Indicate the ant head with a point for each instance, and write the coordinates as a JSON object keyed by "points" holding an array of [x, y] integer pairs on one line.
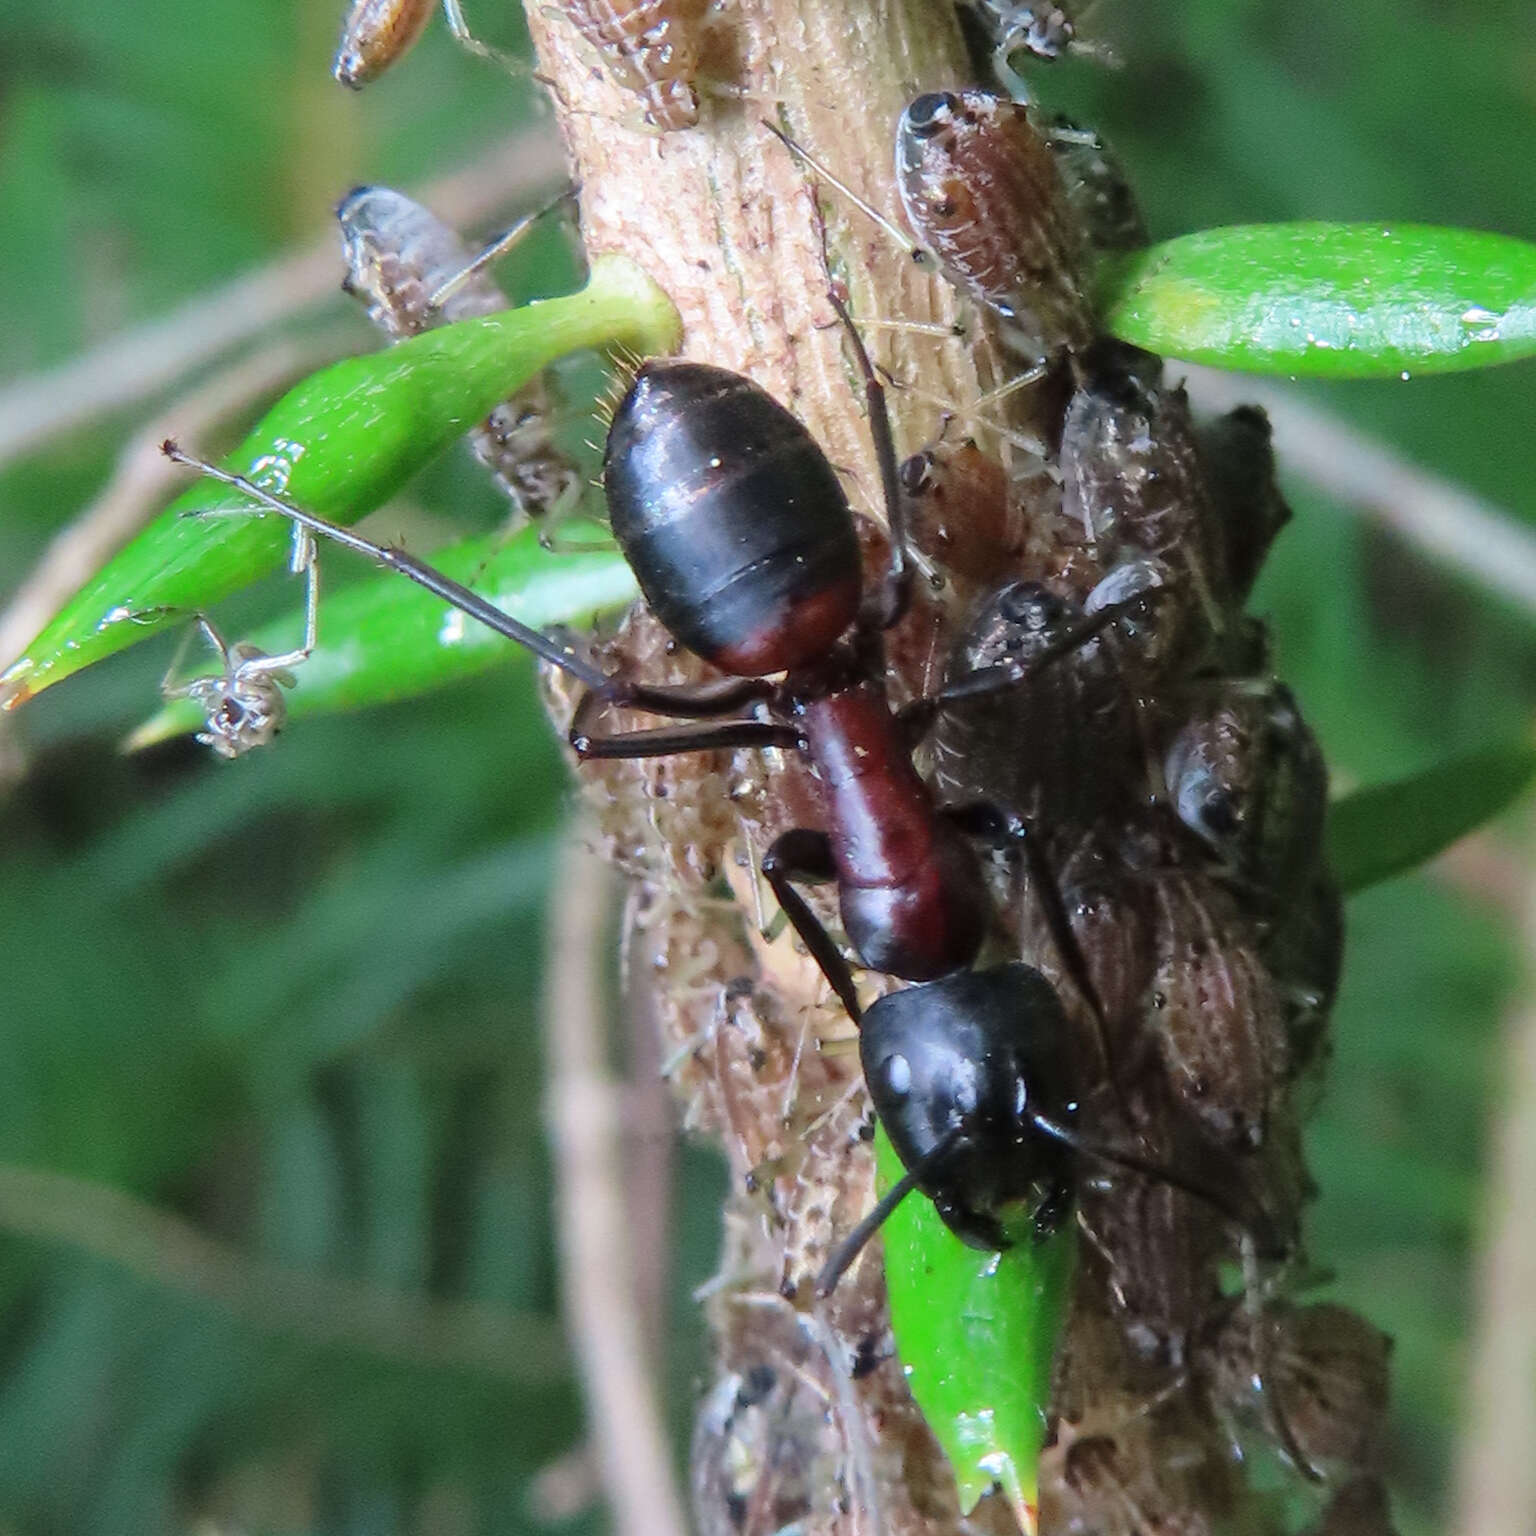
{"points": [[963, 1061]]}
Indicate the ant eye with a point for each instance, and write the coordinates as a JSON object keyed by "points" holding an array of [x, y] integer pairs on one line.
{"points": [[898, 1076], [931, 114]]}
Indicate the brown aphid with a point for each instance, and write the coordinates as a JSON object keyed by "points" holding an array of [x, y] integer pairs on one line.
{"points": [[1359, 1508], [1246, 776], [962, 511], [1238, 457], [1098, 188], [1323, 1369], [399, 257], [1213, 1010], [982, 191], [651, 47], [1132, 480], [376, 34], [1304, 949], [1062, 748]]}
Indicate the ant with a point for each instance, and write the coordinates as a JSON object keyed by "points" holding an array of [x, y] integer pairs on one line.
{"points": [[742, 540], [973, 1077]]}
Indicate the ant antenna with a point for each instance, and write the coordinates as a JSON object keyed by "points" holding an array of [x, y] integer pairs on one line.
{"points": [[853, 1245], [899, 235], [1247, 1214], [898, 578], [499, 247], [460, 596]]}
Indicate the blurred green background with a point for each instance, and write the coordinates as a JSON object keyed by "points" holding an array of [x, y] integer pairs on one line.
{"points": [[293, 1001]]}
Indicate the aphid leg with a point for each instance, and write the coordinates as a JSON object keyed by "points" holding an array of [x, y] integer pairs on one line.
{"points": [[499, 246], [453, 14], [197, 685], [803, 855], [1264, 1358], [304, 559]]}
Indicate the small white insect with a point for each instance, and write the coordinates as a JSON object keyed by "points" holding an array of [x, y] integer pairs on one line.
{"points": [[244, 702]]}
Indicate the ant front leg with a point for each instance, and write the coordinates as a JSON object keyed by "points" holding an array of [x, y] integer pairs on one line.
{"points": [[699, 705], [804, 855]]}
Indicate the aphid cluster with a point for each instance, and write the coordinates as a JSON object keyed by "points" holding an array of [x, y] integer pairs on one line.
{"points": [[1083, 871]]}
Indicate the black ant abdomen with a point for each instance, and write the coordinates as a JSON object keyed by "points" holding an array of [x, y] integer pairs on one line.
{"points": [[732, 519]]}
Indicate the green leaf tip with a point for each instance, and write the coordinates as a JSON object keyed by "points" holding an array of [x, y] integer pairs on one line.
{"points": [[977, 1334], [1342, 301], [383, 639], [1385, 830], [341, 442]]}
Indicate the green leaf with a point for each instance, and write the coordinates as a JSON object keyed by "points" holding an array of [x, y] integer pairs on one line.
{"points": [[1342, 301], [977, 1333], [339, 443], [1385, 830], [384, 638]]}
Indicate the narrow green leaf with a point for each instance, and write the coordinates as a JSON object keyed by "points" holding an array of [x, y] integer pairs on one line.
{"points": [[977, 1333], [340, 443], [384, 638], [1342, 301], [1387, 829]]}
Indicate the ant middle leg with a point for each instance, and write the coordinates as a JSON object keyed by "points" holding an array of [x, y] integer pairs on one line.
{"points": [[806, 856]]}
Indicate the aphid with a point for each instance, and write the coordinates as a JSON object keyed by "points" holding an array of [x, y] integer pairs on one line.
{"points": [[982, 191], [414, 273], [244, 701], [1063, 750], [651, 47], [379, 33], [1097, 188], [964, 515], [1214, 1011], [1247, 777], [1326, 1373], [1131, 476], [1238, 457], [1359, 1508]]}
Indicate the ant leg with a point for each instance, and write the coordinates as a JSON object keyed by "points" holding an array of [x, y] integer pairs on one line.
{"points": [[504, 241], [1232, 1198], [696, 736], [896, 590], [805, 855]]}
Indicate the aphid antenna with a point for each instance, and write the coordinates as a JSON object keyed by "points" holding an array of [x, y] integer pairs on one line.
{"points": [[460, 596], [902, 237], [1264, 1358], [500, 245]]}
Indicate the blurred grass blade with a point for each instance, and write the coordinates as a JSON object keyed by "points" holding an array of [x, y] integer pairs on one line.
{"points": [[383, 638], [976, 1333], [1343, 301], [1385, 830], [340, 443]]}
